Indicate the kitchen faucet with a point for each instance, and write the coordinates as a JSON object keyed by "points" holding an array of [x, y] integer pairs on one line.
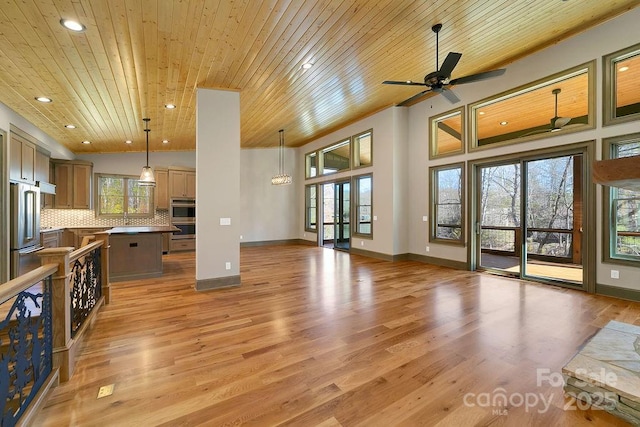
{"points": [[126, 220]]}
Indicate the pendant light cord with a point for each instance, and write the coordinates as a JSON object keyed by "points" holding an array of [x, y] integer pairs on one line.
{"points": [[281, 162], [147, 130]]}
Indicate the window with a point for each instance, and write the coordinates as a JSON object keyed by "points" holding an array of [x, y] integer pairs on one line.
{"points": [[447, 134], [336, 158], [621, 90], [311, 165], [362, 144], [622, 207], [118, 195], [363, 205], [446, 204], [558, 104], [311, 208]]}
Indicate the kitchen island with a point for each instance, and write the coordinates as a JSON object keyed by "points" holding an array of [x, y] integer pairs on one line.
{"points": [[135, 252]]}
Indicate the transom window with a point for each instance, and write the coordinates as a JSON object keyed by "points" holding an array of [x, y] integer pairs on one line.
{"points": [[119, 194], [336, 158]]}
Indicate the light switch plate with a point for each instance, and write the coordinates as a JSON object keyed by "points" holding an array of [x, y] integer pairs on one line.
{"points": [[225, 221]]}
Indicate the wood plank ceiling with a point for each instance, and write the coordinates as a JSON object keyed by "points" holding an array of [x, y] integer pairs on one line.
{"points": [[136, 56]]}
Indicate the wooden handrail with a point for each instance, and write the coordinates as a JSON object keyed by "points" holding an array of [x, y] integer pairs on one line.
{"points": [[80, 252], [15, 286]]}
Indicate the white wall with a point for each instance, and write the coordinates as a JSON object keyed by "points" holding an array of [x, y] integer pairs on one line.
{"points": [[132, 163], [268, 212]]}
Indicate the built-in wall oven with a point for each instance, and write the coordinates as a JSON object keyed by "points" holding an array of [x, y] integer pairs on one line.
{"points": [[25, 229], [183, 216]]}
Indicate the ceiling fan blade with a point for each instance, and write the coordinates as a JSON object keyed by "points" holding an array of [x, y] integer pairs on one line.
{"points": [[448, 93], [449, 64], [559, 122], [414, 97], [403, 83], [536, 132], [477, 77]]}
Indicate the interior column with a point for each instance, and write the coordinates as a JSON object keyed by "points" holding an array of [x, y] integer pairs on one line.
{"points": [[217, 189]]}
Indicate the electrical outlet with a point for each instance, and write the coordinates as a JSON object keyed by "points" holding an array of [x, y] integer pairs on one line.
{"points": [[615, 274], [105, 390], [362, 243], [427, 248], [304, 234], [425, 218], [227, 265], [241, 237]]}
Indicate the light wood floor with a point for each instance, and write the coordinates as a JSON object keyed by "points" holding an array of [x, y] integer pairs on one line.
{"points": [[318, 337]]}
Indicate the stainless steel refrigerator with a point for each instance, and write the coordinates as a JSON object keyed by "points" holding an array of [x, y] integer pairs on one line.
{"points": [[25, 228]]}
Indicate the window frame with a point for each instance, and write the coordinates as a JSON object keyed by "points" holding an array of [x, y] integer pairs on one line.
{"points": [[355, 195], [355, 150], [321, 160], [307, 164], [609, 62], [433, 133], [307, 208], [433, 203], [609, 226], [588, 67], [126, 179]]}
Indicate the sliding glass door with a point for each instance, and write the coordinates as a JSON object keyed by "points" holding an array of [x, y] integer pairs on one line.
{"points": [[529, 218]]}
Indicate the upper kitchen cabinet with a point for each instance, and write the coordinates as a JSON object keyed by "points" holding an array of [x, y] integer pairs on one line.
{"points": [[182, 183], [22, 160], [161, 195], [42, 166], [73, 184]]}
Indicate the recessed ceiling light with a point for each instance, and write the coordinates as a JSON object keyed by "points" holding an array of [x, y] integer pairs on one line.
{"points": [[307, 65], [70, 126], [481, 113], [86, 142], [128, 141], [409, 82], [165, 141], [43, 99], [72, 25], [621, 69], [169, 106], [504, 123]]}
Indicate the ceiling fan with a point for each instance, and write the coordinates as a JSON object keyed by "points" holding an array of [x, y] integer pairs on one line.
{"points": [[438, 81], [556, 123]]}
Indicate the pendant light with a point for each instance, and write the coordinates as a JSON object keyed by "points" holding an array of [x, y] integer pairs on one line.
{"points": [[281, 178], [146, 177]]}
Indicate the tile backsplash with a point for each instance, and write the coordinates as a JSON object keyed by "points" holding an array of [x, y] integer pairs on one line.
{"points": [[87, 218]]}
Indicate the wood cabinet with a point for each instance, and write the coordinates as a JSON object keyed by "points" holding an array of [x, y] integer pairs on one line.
{"points": [[182, 183], [73, 184], [51, 238], [161, 192], [73, 236], [22, 160], [183, 245], [42, 166]]}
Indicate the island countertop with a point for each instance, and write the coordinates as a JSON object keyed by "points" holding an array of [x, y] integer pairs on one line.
{"points": [[143, 229]]}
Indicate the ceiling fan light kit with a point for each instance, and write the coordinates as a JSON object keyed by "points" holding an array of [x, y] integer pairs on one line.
{"points": [[439, 81]]}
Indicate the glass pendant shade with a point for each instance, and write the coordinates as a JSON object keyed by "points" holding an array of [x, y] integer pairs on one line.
{"points": [[146, 177], [281, 178]]}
